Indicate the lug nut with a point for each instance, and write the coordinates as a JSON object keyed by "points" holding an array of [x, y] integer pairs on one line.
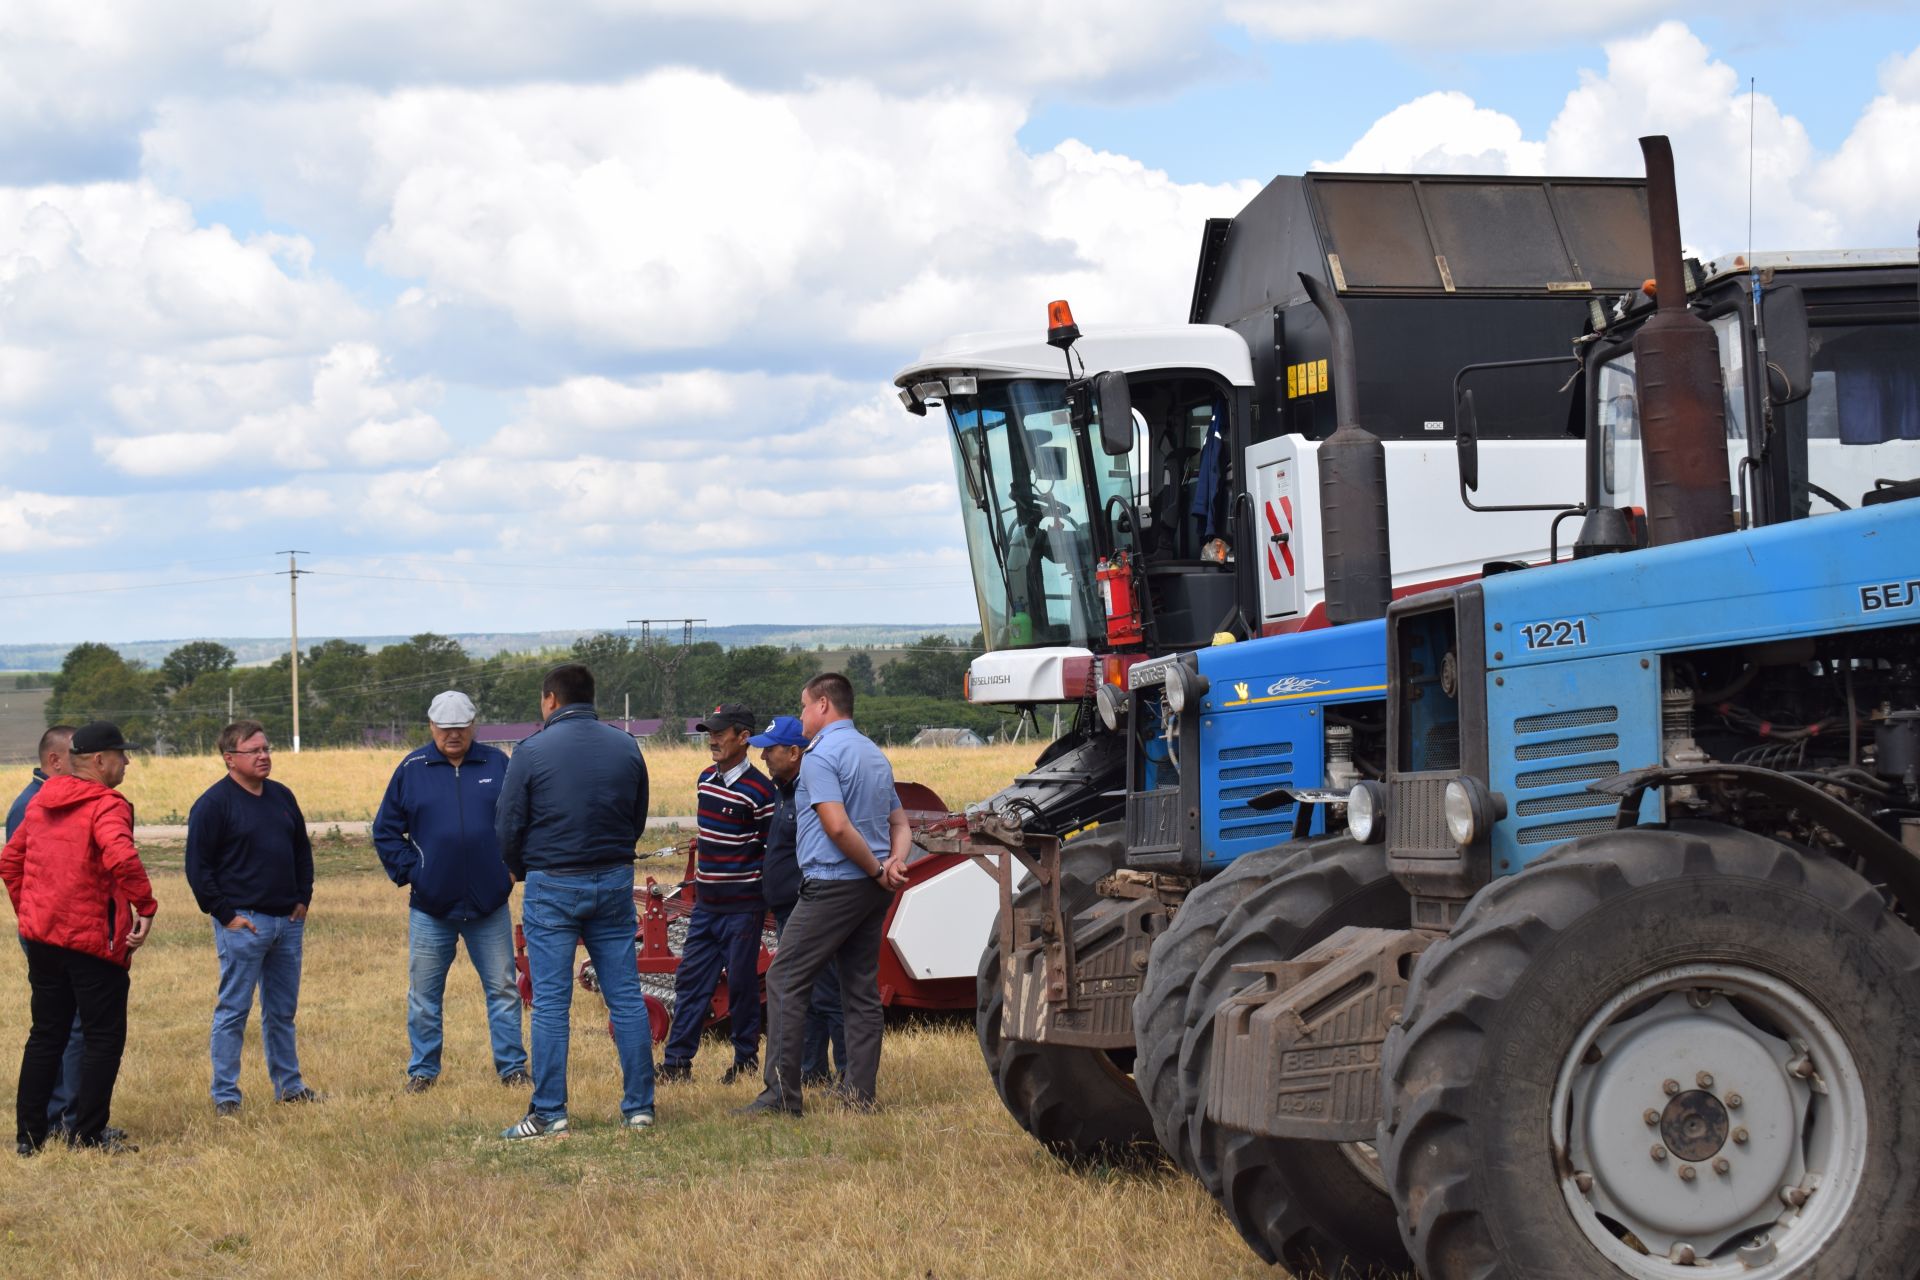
{"points": [[1734, 1100], [1800, 1068], [1704, 1080], [1720, 1164], [1681, 1255], [1651, 1116], [1686, 1173], [1672, 1087], [1659, 1153], [1795, 1196], [1584, 1181], [1740, 1136]]}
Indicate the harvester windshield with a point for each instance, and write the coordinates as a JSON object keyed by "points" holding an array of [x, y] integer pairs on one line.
{"points": [[1033, 494]]}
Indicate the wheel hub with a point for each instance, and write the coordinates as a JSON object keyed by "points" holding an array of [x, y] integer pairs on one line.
{"points": [[1695, 1106], [1695, 1126]]}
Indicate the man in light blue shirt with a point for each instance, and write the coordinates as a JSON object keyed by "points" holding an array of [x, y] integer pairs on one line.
{"points": [[853, 847]]}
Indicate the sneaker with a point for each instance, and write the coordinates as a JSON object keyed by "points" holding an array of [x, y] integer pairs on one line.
{"points": [[742, 1068], [304, 1094], [25, 1149], [415, 1084], [532, 1126], [638, 1120], [517, 1080], [226, 1110], [674, 1073]]}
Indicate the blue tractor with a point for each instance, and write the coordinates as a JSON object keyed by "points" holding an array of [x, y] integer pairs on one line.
{"points": [[1615, 971]]}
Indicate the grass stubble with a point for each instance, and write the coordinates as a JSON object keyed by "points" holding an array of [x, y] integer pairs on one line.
{"points": [[939, 1183]]}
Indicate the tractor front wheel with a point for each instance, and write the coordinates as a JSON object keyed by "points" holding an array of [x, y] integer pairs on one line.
{"points": [[1660, 1051], [1081, 1104]]}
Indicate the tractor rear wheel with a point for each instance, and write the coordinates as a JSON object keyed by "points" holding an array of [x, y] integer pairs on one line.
{"points": [[1318, 1207], [1081, 1104], [1656, 1051], [1160, 1010]]}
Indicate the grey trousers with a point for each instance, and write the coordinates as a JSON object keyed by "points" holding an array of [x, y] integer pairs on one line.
{"points": [[836, 922]]}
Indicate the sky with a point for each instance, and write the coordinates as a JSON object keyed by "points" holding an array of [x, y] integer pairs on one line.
{"points": [[527, 317]]}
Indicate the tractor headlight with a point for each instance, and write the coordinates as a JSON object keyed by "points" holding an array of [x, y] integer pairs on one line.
{"points": [[1112, 705], [1184, 686], [1366, 812], [1470, 811]]}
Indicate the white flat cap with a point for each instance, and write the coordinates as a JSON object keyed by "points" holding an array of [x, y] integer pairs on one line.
{"points": [[451, 710]]}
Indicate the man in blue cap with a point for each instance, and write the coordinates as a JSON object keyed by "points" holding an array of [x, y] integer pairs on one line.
{"points": [[782, 744], [434, 833]]}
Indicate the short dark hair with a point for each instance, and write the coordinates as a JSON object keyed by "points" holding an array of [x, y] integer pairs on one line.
{"points": [[238, 732], [834, 687], [570, 682], [57, 738]]}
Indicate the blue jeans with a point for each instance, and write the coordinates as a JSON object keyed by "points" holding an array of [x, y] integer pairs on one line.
{"points": [[267, 961], [430, 946], [557, 913], [714, 940], [824, 1022], [66, 1086]]}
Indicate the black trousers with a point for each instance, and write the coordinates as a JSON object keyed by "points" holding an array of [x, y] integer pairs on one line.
{"points": [[836, 922], [65, 983]]}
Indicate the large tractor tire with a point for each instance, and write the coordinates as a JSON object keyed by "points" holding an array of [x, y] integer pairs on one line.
{"points": [[1321, 1208], [1160, 1010], [1081, 1104], [1657, 1051]]}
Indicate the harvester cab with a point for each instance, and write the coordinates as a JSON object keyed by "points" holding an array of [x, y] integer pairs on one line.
{"points": [[1635, 991]]}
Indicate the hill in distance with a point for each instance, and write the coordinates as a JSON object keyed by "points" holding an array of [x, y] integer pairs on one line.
{"points": [[255, 650]]}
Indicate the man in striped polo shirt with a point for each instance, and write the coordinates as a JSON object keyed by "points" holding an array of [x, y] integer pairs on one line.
{"points": [[735, 807]]}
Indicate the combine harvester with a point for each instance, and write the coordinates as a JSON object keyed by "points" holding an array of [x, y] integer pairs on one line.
{"points": [[1193, 490], [1615, 971]]}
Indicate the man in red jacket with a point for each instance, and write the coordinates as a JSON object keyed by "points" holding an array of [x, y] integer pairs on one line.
{"points": [[84, 907]]}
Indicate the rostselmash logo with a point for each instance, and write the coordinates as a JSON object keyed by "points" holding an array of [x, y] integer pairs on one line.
{"points": [[977, 681], [1294, 684]]}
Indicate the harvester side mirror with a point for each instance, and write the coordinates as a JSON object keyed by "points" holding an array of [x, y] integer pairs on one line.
{"points": [[1467, 441], [1783, 312], [1116, 413]]}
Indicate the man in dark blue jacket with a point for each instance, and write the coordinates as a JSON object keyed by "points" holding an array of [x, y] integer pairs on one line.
{"points": [[434, 833], [572, 808]]}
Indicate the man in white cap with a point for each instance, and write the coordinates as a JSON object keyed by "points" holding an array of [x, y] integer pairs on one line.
{"points": [[435, 834]]}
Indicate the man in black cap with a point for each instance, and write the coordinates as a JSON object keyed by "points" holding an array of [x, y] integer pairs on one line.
{"points": [[735, 805], [84, 906]]}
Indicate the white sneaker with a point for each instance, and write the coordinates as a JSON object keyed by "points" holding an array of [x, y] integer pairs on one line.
{"points": [[532, 1126], [638, 1120]]}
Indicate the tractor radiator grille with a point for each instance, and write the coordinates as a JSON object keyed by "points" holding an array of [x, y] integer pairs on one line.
{"points": [[1553, 804], [1154, 820], [1417, 819]]}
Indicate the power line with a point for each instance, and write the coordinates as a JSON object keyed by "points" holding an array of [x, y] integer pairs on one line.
{"points": [[624, 588], [136, 586]]}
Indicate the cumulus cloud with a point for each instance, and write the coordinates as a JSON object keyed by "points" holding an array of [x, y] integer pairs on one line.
{"points": [[31, 523], [353, 414], [1873, 180], [1667, 81]]}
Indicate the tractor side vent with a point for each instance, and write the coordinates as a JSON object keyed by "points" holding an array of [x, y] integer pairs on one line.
{"points": [[1553, 804]]}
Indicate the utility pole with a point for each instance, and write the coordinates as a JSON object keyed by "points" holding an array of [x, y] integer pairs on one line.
{"points": [[666, 664], [293, 600]]}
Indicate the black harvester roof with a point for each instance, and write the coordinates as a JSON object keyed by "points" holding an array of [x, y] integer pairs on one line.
{"points": [[1437, 272]]}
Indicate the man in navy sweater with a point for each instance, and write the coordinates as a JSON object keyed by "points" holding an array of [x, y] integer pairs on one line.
{"points": [[250, 866], [572, 808], [434, 833], [735, 806]]}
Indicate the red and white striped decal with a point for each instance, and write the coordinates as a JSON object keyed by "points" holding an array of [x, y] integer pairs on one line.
{"points": [[1280, 522]]}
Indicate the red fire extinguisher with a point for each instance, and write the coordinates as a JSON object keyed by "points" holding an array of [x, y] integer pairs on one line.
{"points": [[1122, 597]]}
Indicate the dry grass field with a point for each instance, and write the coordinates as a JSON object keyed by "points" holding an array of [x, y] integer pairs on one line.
{"points": [[375, 1183], [346, 785]]}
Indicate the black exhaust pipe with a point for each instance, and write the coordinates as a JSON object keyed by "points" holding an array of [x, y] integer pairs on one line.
{"points": [[1353, 485], [1683, 416]]}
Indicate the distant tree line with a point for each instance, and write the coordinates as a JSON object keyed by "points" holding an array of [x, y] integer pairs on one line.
{"points": [[350, 696]]}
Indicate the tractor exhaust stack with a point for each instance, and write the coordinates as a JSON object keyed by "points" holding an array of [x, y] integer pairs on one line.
{"points": [[1683, 424], [1353, 485]]}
